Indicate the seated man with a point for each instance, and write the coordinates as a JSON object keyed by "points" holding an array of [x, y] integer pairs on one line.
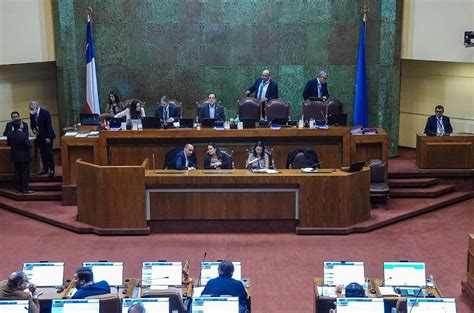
{"points": [[137, 308], [185, 159], [167, 112], [84, 279], [211, 109], [225, 285], [14, 288], [438, 125], [9, 127]]}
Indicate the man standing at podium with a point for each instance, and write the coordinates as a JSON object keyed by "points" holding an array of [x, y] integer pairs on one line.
{"points": [[438, 124], [317, 89]]}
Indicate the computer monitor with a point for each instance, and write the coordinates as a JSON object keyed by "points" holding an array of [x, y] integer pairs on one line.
{"points": [[186, 123], [215, 305], [248, 122], [75, 306], [152, 305], [151, 122], [279, 121], [208, 122], [162, 273], [45, 274], [360, 305], [111, 272], [343, 273], [209, 271], [404, 274], [14, 306], [337, 119], [89, 118], [431, 305]]}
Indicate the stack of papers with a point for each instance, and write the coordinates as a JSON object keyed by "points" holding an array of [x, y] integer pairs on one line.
{"points": [[308, 170], [387, 291], [265, 171], [70, 134]]}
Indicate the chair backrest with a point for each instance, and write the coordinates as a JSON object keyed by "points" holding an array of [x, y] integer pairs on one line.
{"points": [[226, 153], [314, 109], [108, 303], [249, 108], [378, 171], [176, 302], [334, 107], [170, 158], [178, 105], [301, 158], [277, 108]]}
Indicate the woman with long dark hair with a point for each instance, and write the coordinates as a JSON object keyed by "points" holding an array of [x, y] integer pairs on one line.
{"points": [[258, 158]]}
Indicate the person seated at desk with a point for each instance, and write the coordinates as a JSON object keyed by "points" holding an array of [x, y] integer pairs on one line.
{"points": [[438, 124], [215, 159], [14, 288], [186, 159], [258, 158], [167, 112], [211, 109], [137, 308], [225, 285], [9, 127], [135, 111], [115, 106], [85, 285]]}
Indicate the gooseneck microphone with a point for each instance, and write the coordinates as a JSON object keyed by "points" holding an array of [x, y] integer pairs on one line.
{"points": [[418, 295], [324, 116], [200, 272], [385, 280]]}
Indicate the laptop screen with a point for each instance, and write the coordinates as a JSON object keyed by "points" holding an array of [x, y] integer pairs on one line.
{"points": [[162, 273], [360, 305], [47, 274], [209, 271], [152, 305], [215, 305], [343, 273], [431, 305], [14, 306], [111, 272], [75, 306], [404, 274]]}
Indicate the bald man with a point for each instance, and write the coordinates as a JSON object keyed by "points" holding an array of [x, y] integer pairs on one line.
{"points": [[14, 288], [264, 88], [137, 308]]}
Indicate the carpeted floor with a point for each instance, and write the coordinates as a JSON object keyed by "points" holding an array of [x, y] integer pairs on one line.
{"points": [[281, 266]]}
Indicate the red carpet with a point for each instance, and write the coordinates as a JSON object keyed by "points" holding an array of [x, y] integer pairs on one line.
{"points": [[281, 266]]}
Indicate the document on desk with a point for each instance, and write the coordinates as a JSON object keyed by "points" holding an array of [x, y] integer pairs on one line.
{"points": [[327, 291], [264, 171], [387, 291], [70, 134], [82, 135]]}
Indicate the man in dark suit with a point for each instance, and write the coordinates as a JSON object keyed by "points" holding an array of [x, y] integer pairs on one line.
{"points": [[167, 112], [20, 154], [40, 121], [186, 159], [211, 109], [264, 88], [9, 127], [317, 88], [85, 285], [438, 124]]}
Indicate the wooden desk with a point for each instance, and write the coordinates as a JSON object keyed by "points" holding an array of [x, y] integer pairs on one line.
{"points": [[6, 165], [368, 147], [328, 199], [445, 152]]}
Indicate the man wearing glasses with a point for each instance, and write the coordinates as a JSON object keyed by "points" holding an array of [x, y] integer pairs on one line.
{"points": [[438, 124], [17, 287]]}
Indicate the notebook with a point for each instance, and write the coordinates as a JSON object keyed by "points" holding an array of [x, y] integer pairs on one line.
{"points": [[111, 272], [45, 274]]}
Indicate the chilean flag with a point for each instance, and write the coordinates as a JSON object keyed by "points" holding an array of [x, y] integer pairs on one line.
{"points": [[92, 95]]}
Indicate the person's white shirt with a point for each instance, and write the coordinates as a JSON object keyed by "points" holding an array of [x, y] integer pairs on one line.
{"points": [[126, 113]]}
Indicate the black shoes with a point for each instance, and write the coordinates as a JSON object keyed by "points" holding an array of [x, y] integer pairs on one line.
{"points": [[51, 174]]}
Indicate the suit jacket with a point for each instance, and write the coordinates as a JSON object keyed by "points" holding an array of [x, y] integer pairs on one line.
{"points": [[219, 114], [222, 285], [20, 146], [173, 112], [272, 90], [180, 161], [311, 90], [9, 128], [432, 125], [43, 126], [7, 293], [224, 159], [99, 288]]}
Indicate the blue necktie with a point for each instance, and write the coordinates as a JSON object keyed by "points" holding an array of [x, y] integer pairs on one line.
{"points": [[260, 90]]}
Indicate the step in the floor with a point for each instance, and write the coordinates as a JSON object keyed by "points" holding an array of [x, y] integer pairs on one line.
{"points": [[428, 192], [46, 186], [33, 178], [37, 195], [412, 182]]}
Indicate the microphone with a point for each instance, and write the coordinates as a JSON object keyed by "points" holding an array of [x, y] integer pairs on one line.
{"points": [[324, 116], [154, 165], [316, 164], [385, 280], [152, 279], [420, 293], [200, 272]]}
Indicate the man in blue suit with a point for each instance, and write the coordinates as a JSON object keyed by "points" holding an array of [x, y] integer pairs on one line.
{"points": [[264, 88], [186, 159], [167, 112], [85, 285], [211, 109], [40, 121], [317, 88], [438, 124]]}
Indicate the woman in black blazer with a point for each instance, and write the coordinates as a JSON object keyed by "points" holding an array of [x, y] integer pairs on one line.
{"points": [[215, 159]]}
